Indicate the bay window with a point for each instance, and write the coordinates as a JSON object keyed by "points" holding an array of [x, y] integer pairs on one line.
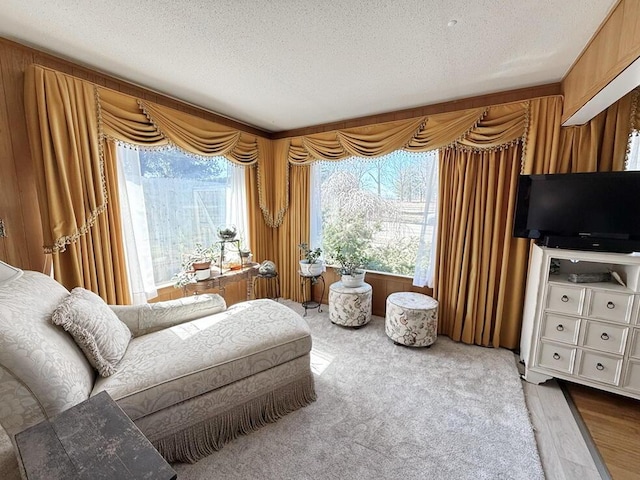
{"points": [[386, 206], [172, 200]]}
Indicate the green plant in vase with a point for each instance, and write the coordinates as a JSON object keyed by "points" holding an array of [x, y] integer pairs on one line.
{"points": [[351, 263], [310, 265], [196, 265]]}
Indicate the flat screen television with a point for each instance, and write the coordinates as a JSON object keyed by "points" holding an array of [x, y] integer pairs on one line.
{"points": [[580, 211]]}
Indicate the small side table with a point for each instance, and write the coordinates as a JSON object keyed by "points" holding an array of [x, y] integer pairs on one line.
{"points": [[220, 281], [411, 319], [94, 439], [310, 280], [271, 283], [350, 306]]}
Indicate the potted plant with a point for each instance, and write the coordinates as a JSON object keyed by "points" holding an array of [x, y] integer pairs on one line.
{"points": [[311, 265], [351, 264], [196, 265]]}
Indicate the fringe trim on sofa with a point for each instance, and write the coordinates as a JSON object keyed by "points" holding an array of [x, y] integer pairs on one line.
{"points": [[208, 436]]}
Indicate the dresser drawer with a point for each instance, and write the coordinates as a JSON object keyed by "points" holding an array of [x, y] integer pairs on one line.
{"points": [[565, 299], [600, 367], [632, 378], [556, 357], [560, 329], [614, 306], [605, 336], [634, 351]]}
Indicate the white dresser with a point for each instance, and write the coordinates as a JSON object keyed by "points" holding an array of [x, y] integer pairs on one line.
{"points": [[587, 333]]}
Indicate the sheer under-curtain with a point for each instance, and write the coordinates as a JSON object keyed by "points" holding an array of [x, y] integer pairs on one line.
{"points": [[236, 207], [403, 172], [315, 207], [426, 255], [633, 156], [135, 229]]}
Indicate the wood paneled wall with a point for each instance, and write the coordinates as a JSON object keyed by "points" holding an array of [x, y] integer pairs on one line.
{"points": [[383, 285], [22, 246], [614, 47]]}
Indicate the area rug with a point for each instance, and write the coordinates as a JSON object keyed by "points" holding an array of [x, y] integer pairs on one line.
{"points": [[451, 411]]}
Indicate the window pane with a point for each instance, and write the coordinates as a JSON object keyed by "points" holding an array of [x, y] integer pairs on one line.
{"points": [[385, 205], [186, 202]]}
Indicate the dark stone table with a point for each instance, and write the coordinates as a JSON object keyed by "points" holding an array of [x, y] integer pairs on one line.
{"points": [[93, 440]]}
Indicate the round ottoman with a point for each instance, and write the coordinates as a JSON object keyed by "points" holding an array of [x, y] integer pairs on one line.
{"points": [[350, 306], [411, 319]]}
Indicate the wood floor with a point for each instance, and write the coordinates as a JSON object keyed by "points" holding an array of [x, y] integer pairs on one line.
{"points": [[613, 422], [564, 453]]}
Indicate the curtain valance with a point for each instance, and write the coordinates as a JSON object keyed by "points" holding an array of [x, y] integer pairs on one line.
{"points": [[478, 129], [69, 119], [145, 123]]}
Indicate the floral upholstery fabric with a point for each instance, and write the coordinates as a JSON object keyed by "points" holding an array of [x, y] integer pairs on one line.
{"points": [[151, 317], [411, 319], [43, 371], [215, 402], [96, 329], [350, 306], [170, 366], [190, 387]]}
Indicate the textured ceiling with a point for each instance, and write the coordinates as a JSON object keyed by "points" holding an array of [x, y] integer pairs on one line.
{"points": [[285, 64]]}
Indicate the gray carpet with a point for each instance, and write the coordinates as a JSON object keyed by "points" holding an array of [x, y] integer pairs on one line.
{"points": [[451, 411]]}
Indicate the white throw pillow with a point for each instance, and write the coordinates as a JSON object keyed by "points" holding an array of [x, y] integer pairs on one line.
{"points": [[95, 328]]}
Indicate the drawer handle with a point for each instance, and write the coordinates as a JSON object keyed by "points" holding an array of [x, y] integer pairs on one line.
{"points": [[611, 305], [599, 366], [564, 298], [604, 336], [560, 328], [556, 356]]}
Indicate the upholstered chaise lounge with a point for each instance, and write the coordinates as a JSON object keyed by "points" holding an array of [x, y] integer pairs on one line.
{"points": [[195, 374]]}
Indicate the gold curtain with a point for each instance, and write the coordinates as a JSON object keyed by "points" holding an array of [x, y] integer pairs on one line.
{"points": [[273, 171], [635, 110], [600, 145], [481, 270], [68, 121], [474, 279], [543, 137], [74, 184], [281, 244], [293, 231]]}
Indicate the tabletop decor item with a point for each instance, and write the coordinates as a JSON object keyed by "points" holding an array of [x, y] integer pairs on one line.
{"points": [[227, 232], [267, 268]]}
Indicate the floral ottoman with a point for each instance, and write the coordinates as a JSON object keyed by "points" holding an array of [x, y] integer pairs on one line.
{"points": [[411, 319], [350, 306]]}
